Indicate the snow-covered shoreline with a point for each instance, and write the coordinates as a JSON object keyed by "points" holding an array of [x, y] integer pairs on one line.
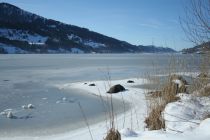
{"points": [[99, 129], [134, 128], [131, 123], [129, 119]]}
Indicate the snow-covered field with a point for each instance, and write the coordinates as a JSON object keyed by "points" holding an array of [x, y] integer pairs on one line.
{"points": [[184, 118]]}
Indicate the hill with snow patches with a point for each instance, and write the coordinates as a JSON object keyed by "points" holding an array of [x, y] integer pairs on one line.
{"points": [[198, 49], [25, 32]]}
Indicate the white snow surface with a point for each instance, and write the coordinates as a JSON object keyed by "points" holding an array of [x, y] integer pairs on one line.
{"points": [[90, 43], [187, 113], [75, 38], [23, 35], [131, 124], [94, 44], [179, 82], [190, 74]]}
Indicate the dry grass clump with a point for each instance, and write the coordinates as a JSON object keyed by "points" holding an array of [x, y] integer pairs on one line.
{"points": [[203, 79], [155, 94], [155, 121], [206, 115], [159, 99], [113, 134], [203, 75], [179, 88], [170, 89], [201, 85], [169, 93], [205, 91]]}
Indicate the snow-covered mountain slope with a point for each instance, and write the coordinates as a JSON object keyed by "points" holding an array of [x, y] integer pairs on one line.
{"points": [[199, 49], [36, 34], [22, 35], [94, 44], [10, 49]]}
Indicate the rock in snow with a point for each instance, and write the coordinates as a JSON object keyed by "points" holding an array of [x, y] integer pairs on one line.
{"points": [[92, 84], [130, 81], [116, 89]]}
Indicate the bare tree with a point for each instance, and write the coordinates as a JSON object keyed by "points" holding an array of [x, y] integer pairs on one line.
{"points": [[196, 22]]}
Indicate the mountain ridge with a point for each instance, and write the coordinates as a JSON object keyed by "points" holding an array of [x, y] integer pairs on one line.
{"points": [[199, 49], [31, 33]]}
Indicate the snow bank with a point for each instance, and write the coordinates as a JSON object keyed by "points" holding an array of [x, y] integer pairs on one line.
{"points": [[189, 74], [179, 82], [187, 113]]}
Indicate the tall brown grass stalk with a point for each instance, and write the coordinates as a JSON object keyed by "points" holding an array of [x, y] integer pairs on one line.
{"points": [[162, 95], [85, 119]]}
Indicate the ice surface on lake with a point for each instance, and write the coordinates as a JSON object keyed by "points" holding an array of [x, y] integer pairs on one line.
{"points": [[31, 79]]}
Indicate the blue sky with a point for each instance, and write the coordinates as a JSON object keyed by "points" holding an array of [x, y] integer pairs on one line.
{"points": [[139, 22]]}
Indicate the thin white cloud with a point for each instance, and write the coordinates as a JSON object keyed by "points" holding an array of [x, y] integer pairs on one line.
{"points": [[151, 23], [148, 25], [174, 21]]}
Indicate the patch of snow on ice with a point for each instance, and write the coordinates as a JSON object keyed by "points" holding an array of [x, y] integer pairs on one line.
{"points": [[30, 106], [64, 99], [24, 107], [10, 115]]}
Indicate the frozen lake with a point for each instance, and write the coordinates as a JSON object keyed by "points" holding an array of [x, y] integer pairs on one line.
{"points": [[31, 78]]}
